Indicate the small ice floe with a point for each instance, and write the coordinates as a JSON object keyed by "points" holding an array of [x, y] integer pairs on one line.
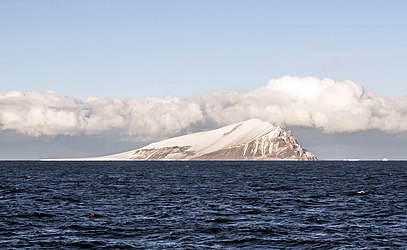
{"points": [[357, 193], [351, 159]]}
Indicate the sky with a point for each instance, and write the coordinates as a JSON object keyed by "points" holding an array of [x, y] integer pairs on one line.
{"points": [[82, 78]]}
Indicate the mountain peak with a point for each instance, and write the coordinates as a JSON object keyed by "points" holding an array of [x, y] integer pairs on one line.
{"points": [[253, 139]]}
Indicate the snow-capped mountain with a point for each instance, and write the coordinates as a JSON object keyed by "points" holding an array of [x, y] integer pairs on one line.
{"points": [[250, 140]]}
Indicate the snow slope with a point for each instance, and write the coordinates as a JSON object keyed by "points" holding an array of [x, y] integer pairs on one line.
{"points": [[249, 140]]}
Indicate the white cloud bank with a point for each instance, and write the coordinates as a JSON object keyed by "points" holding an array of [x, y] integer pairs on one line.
{"points": [[288, 101], [49, 113], [312, 102]]}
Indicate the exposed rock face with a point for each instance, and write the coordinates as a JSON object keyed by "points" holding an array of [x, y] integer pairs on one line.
{"points": [[282, 147], [250, 140], [169, 153]]}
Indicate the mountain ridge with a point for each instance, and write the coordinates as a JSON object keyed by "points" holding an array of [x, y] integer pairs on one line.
{"points": [[249, 140]]}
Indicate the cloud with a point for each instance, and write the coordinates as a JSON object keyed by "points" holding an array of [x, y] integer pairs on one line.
{"points": [[312, 102], [49, 113], [327, 104]]}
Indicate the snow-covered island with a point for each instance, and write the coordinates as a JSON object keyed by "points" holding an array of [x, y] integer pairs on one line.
{"points": [[250, 140]]}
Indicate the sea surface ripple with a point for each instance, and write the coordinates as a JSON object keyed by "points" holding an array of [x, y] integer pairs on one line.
{"points": [[203, 205]]}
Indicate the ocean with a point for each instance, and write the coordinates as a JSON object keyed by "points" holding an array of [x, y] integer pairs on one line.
{"points": [[203, 205]]}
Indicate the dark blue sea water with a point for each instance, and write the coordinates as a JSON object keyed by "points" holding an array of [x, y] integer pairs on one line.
{"points": [[203, 205]]}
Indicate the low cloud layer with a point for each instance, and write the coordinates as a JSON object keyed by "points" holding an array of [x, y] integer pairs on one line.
{"points": [[312, 102], [48, 113], [288, 101]]}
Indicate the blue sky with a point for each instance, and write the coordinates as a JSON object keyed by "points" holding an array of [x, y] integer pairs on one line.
{"points": [[158, 66], [183, 48]]}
